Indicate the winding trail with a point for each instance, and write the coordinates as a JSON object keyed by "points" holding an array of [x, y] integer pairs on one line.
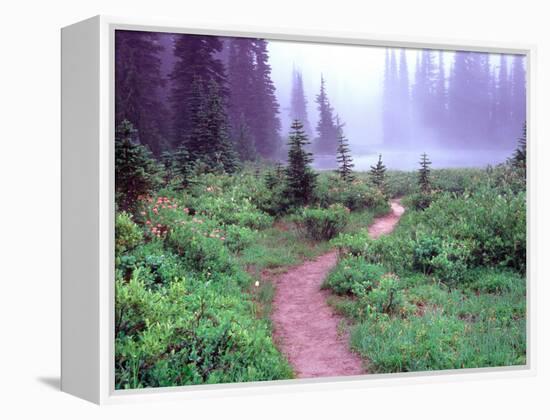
{"points": [[305, 327]]}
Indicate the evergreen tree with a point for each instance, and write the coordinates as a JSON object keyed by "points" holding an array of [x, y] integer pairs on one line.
{"points": [[275, 177], [425, 88], [300, 176], [220, 150], [390, 101], [440, 117], [378, 174], [177, 167], [345, 161], [404, 101], [520, 155], [138, 87], [469, 98], [208, 141], [518, 86], [252, 95], [326, 129], [424, 174], [298, 102], [502, 101], [244, 142], [195, 64], [241, 77], [136, 172], [265, 125]]}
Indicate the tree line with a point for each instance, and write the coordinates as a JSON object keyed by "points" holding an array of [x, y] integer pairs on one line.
{"points": [[477, 102]]}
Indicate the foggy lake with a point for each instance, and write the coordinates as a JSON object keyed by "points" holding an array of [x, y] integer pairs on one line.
{"points": [[408, 160]]}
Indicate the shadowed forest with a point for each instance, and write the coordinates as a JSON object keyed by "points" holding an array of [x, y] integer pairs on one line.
{"points": [[371, 199]]}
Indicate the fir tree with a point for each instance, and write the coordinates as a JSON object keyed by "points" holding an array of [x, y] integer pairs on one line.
{"points": [[299, 175], [219, 148], [244, 142], [520, 155], [265, 125], [241, 77], [390, 118], [298, 102], [138, 87], [274, 177], [424, 174], [196, 63], [136, 172], [378, 174], [208, 141], [343, 156], [326, 129], [404, 101], [518, 92], [178, 166]]}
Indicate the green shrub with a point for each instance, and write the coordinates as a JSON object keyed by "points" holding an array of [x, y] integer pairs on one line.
{"points": [[127, 234], [201, 252], [189, 333], [238, 238], [420, 200], [356, 195], [352, 271], [322, 224], [386, 297], [352, 243]]}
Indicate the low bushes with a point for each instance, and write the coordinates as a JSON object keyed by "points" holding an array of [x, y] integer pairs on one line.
{"points": [[322, 224], [352, 272], [189, 333], [357, 195], [127, 234]]}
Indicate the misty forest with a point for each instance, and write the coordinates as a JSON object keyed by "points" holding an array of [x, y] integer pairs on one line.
{"points": [[296, 210]]}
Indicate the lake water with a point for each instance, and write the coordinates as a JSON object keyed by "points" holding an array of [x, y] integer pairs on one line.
{"points": [[405, 160]]}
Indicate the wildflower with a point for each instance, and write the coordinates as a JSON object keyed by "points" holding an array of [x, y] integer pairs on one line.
{"points": [[148, 222], [257, 284], [143, 213]]}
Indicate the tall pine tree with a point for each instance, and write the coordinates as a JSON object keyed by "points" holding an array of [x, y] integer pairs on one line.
{"points": [[242, 83], [327, 131], [266, 125], [300, 176], [518, 100], [390, 101], [195, 63], [343, 157], [298, 102], [138, 87]]}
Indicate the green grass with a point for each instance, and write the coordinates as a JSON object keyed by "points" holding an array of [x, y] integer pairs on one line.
{"points": [[443, 328]]}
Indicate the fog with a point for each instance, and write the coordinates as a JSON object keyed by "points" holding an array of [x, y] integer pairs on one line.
{"points": [[355, 83]]}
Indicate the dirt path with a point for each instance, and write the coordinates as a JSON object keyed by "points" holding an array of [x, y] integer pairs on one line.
{"points": [[306, 329], [385, 224]]}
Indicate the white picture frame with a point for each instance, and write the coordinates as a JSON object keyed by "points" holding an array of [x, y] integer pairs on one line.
{"points": [[87, 326]]}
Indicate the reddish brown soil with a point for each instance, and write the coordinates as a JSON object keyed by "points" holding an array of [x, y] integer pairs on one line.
{"points": [[306, 328], [385, 224]]}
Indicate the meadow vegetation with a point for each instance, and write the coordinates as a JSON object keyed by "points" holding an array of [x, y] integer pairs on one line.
{"points": [[195, 249]]}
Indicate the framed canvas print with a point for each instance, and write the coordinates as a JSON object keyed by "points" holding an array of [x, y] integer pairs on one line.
{"points": [[248, 207]]}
